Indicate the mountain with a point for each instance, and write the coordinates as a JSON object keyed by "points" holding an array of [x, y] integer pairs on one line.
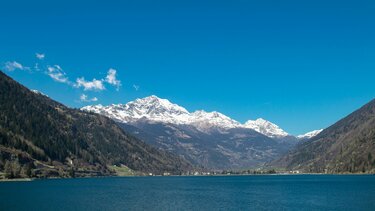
{"points": [[347, 146], [42, 138], [267, 128], [155, 109], [208, 139], [309, 134]]}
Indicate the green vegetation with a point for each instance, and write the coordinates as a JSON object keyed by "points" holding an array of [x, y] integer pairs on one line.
{"points": [[123, 171]]}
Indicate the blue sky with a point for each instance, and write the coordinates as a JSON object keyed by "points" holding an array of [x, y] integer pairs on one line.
{"points": [[301, 64]]}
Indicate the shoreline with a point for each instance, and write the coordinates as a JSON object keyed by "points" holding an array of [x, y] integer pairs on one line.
{"points": [[18, 180], [158, 176]]}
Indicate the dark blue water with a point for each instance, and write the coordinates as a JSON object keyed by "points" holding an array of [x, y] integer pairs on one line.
{"points": [[307, 192]]}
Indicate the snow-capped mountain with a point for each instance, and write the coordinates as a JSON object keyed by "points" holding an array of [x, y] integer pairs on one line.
{"points": [[162, 110], [151, 108], [209, 139], [310, 134], [202, 119], [266, 128], [155, 109]]}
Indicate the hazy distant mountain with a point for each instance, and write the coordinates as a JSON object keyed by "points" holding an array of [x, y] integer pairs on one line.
{"points": [[209, 139], [346, 146], [41, 137]]}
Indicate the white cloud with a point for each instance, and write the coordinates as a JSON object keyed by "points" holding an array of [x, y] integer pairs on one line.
{"points": [[111, 78], [57, 74], [84, 98], [96, 85], [11, 66], [36, 67], [136, 87], [40, 56]]}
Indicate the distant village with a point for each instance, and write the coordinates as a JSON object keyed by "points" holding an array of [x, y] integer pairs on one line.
{"points": [[226, 172]]}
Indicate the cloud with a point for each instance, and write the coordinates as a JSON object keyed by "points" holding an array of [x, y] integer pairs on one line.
{"points": [[84, 98], [11, 66], [40, 56], [111, 78], [136, 87], [57, 74], [96, 85], [36, 67]]}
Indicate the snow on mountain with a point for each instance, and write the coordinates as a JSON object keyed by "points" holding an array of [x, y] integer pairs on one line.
{"points": [[310, 134], [266, 128], [38, 92], [205, 120], [162, 110], [156, 109], [151, 108]]}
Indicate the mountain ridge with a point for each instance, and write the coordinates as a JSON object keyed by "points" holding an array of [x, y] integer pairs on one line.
{"points": [[156, 109]]}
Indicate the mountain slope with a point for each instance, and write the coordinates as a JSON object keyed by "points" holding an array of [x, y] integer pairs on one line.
{"points": [[346, 146], [53, 140], [234, 148]]}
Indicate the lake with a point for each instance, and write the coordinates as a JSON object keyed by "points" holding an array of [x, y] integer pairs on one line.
{"points": [[279, 192]]}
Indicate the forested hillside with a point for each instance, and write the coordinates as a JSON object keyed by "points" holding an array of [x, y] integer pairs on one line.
{"points": [[346, 147], [40, 137]]}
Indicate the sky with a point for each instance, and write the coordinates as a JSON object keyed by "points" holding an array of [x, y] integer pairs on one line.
{"points": [[300, 64]]}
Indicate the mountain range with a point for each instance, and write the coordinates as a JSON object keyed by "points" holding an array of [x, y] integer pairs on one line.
{"points": [[208, 139], [155, 109]]}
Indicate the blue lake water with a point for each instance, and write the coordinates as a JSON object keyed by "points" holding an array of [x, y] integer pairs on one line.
{"points": [[292, 192]]}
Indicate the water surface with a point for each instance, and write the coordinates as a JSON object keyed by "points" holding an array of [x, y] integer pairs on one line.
{"points": [[289, 192]]}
